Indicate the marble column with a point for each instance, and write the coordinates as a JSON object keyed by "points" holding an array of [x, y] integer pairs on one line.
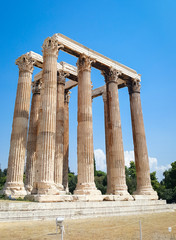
{"points": [[104, 96], [66, 140], [32, 137], [59, 150], [117, 177], [144, 186], [38, 162], [14, 184], [85, 158], [47, 131]]}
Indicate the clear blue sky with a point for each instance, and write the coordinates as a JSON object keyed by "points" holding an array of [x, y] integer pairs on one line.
{"points": [[139, 34]]}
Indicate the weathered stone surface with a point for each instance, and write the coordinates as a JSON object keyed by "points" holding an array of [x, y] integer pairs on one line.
{"points": [[47, 130], [85, 183], [147, 196], [76, 49], [20, 211], [144, 186], [32, 137], [48, 137], [116, 163], [14, 183], [108, 191], [66, 141], [59, 148]]}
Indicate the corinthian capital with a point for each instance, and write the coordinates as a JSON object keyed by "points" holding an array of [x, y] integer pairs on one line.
{"points": [[25, 63], [111, 76], [61, 77], [51, 46], [36, 87], [84, 63], [134, 86]]}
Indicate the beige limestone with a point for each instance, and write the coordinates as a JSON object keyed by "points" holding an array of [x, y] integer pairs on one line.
{"points": [[21, 211], [85, 183], [14, 184], [75, 48], [66, 140], [47, 130], [48, 142], [104, 95], [38, 142], [116, 160], [144, 186], [32, 137], [59, 148]]}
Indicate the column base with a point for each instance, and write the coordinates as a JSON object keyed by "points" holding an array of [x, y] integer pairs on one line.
{"points": [[46, 188], [59, 186], [122, 195], [86, 189], [14, 190], [145, 193], [28, 189], [67, 190]]}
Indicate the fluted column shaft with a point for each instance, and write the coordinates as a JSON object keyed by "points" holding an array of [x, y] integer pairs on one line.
{"points": [[47, 130], [108, 191], [59, 150], [140, 146], [14, 183], [38, 162], [66, 140], [115, 142], [85, 159], [32, 137]]}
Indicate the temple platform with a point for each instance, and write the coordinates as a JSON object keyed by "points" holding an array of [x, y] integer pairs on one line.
{"points": [[21, 211]]}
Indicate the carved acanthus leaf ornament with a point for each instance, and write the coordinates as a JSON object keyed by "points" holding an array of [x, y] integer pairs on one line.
{"points": [[84, 63], [134, 86], [51, 47], [25, 63], [61, 77], [112, 75]]}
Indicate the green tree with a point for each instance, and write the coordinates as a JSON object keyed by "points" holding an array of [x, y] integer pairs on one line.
{"points": [[131, 177], [170, 176], [154, 181], [101, 181], [3, 175], [167, 189], [72, 181], [95, 170]]}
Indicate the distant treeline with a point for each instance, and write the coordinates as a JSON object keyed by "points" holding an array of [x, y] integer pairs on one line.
{"points": [[166, 189]]}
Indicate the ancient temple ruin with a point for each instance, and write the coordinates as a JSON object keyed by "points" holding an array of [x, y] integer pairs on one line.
{"points": [[47, 139]]}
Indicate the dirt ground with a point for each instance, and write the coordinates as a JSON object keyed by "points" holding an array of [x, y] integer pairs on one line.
{"points": [[154, 226]]}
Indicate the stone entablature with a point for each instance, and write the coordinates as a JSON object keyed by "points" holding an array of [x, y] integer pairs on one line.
{"points": [[101, 62], [48, 135]]}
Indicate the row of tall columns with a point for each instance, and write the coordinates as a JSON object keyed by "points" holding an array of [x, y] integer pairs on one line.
{"points": [[48, 136], [44, 128], [114, 143], [113, 138], [33, 168], [144, 186]]}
